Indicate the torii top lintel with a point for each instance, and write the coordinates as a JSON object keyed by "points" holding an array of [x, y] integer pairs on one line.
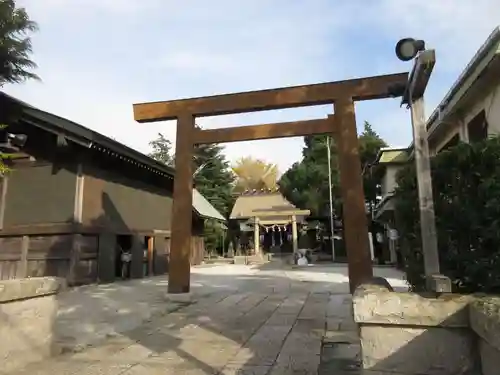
{"points": [[367, 88]]}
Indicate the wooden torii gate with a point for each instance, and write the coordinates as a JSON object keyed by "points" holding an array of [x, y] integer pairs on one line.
{"points": [[342, 124]]}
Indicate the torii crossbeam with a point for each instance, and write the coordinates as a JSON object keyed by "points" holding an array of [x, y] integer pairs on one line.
{"points": [[342, 124]]}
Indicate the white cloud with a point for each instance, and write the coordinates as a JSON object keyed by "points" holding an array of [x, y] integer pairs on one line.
{"points": [[60, 7], [97, 57]]}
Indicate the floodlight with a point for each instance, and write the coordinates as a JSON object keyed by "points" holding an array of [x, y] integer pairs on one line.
{"points": [[408, 48]]}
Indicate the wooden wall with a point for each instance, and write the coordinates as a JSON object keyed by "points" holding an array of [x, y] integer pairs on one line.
{"points": [[54, 255], [47, 233], [39, 193], [49, 255], [124, 205], [162, 253], [197, 250]]}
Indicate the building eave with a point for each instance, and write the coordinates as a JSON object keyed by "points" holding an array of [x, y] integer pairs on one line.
{"points": [[91, 139], [489, 51]]}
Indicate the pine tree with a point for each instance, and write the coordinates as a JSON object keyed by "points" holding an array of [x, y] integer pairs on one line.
{"points": [[212, 178], [15, 44], [162, 150]]}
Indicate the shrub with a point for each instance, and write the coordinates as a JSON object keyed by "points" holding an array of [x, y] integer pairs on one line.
{"points": [[3, 156], [466, 186]]}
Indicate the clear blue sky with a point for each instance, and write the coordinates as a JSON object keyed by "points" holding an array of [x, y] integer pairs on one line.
{"points": [[97, 57]]}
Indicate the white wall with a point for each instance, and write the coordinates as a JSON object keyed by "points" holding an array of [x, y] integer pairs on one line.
{"points": [[389, 180], [489, 101]]}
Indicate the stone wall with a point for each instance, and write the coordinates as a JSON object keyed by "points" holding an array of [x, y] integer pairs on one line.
{"points": [[408, 333], [28, 309]]}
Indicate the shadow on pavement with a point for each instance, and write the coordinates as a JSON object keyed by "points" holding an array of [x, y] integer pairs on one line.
{"points": [[245, 320]]}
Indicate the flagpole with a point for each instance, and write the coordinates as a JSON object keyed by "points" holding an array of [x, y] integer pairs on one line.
{"points": [[332, 239]]}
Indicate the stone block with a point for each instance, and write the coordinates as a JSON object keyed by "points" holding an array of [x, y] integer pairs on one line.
{"points": [[410, 333], [485, 322], [28, 310], [28, 323], [438, 284], [240, 259], [377, 305], [376, 283], [20, 289], [417, 350], [485, 319]]}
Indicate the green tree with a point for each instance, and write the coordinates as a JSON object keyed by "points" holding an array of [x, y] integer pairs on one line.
{"points": [[305, 184], [15, 51], [162, 150], [212, 178], [15, 44], [3, 156], [370, 144], [466, 185]]}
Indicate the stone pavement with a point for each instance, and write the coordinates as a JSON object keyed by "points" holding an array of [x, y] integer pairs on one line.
{"points": [[245, 320]]}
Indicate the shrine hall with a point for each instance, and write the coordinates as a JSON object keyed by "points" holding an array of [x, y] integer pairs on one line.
{"points": [[268, 221]]}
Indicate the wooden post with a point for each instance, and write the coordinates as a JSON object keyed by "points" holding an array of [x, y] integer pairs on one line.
{"points": [[150, 256], [182, 211], [424, 182], [23, 269], [295, 242], [370, 242], [137, 263], [106, 266], [351, 184], [160, 259], [3, 199], [74, 260]]}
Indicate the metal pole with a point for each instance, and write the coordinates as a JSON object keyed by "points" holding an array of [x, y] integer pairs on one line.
{"points": [[332, 240]]}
